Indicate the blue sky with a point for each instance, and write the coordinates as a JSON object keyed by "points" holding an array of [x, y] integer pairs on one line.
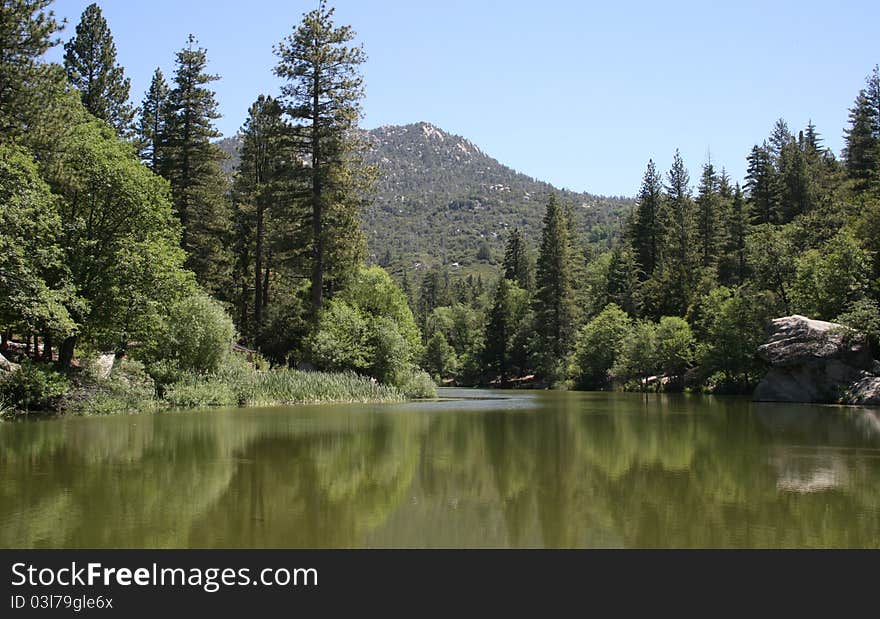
{"points": [[580, 94]]}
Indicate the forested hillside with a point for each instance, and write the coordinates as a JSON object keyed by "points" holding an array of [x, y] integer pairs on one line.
{"points": [[440, 200]]}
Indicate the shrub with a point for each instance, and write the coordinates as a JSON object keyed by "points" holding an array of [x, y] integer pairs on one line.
{"points": [[597, 345], [196, 336], [417, 384], [35, 387]]}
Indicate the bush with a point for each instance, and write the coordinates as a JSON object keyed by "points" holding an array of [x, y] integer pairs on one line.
{"points": [[597, 345], [128, 389], [417, 384], [35, 387], [196, 336]]}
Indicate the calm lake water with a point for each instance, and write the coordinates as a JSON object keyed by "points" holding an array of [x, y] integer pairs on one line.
{"points": [[479, 469]]}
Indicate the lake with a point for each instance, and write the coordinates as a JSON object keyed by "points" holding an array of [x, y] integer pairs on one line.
{"points": [[477, 469]]}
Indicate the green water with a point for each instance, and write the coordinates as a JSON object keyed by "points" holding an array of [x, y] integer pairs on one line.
{"points": [[481, 469]]}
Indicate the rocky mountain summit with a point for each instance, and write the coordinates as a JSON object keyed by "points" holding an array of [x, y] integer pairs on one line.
{"points": [[817, 361]]}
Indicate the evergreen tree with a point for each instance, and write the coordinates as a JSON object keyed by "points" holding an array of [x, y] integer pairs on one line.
{"points": [[151, 123], [191, 163], [762, 186], [645, 231], [27, 31], [553, 302], [710, 230], [499, 331], [90, 61], [680, 259], [735, 246], [862, 151], [796, 191], [322, 95], [516, 260], [260, 186]]}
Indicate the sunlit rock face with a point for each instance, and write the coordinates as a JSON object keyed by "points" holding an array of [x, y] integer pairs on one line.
{"points": [[817, 361]]}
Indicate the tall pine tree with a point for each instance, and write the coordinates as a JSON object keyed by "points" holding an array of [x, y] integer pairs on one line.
{"points": [[27, 31], [152, 123], [645, 231], [259, 188], [862, 151], [90, 61], [553, 302], [516, 260], [321, 94], [191, 163], [710, 231], [762, 186]]}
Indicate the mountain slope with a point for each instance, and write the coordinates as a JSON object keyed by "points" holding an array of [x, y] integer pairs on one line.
{"points": [[440, 200]]}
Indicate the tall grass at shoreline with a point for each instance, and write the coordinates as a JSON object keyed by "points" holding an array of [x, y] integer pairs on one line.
{"points": [[275, 387]]}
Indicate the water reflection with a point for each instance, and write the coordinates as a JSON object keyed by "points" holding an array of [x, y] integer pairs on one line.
{"points": [[518, 469]]}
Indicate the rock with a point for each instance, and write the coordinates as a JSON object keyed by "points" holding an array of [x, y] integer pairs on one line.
{"points": [[8, 366], [104, 365], [815, 361], [864, 391]]}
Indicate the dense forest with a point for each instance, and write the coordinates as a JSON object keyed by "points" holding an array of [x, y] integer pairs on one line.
{"points": [[128, 230]]}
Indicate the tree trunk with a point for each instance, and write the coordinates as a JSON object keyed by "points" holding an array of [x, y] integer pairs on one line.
{"points": [[258, 272], [317, 211], [65, 353], [266, 285], [47, 348], [7, 336]]}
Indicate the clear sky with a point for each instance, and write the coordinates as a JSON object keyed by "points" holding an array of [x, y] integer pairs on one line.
{"points": [[577, 93]]}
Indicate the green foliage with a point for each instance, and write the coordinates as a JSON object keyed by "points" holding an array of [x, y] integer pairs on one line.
{"points": [[90, 61], [152, 126], [196, 337], [368, 328], [597, 346], [321, 94], [863, 316], [128, 389], [553, 302], [417, 384], [440, 358], [191, 163], [27, 31], [238, 384], [637, 358], [675, 345], [31, 268], [35, 387], [830, 279]]}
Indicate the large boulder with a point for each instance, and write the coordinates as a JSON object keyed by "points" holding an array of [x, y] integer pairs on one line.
{"points": [[7, 366], [815, 361]]}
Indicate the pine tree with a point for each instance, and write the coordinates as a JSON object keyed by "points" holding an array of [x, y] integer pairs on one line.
{"points": [[322, 96], [152, 123], [260, 186], [737, 230], [796, 190], [90, 61], [680, 258], [499, 331], [762, 186], [645, 231], [709, 221], [516, 260], [191, 163], [553, 302], [27, 31], [862, 151]]}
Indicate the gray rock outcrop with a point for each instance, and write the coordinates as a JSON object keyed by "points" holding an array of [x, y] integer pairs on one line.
{"points": [[817, 361]]}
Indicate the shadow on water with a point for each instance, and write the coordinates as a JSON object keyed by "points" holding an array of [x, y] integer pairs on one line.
{"points": [[471, 469]]}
